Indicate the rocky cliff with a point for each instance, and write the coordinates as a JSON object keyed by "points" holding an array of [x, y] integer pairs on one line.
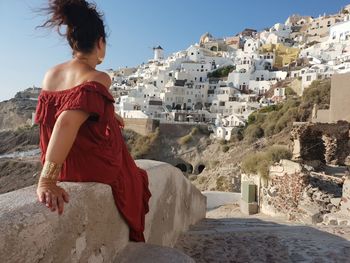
{"points": [[16, 112]]}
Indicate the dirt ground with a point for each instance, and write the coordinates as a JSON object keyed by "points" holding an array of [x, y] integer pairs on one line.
{"points": [[226, 235], [16, 173]]}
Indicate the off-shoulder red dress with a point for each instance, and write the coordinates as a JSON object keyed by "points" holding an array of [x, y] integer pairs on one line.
{"points": [[99, 153]]}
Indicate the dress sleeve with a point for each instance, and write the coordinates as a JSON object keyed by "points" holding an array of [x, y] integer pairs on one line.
{"points": [[88, 99]]}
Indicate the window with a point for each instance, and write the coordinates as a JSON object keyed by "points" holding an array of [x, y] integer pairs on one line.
{"points": [[308, 78]]}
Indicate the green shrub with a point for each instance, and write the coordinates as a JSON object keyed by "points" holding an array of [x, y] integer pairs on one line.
{"points": [[185, 139], [253, 132], [189, 137], [251, 118], [221, 72], [277, 152], [250, 163], [222, 141], [237, 134], [274, 118], [269, 130], [290, 92], [270, 108], [194, 131], [139, 145], [319, 93], [259, 163]]}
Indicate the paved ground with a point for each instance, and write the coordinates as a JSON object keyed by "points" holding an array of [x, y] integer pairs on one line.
{"points": [[228, 236]]}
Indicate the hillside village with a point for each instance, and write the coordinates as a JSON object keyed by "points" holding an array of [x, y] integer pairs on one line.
{"points": [[221, 81], [257, 121]]}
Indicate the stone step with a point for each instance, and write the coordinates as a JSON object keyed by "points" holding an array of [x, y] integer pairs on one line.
{"points": [[137, 252]]}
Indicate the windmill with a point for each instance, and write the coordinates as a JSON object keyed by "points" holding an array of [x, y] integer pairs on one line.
{"points": [[158, 52]]}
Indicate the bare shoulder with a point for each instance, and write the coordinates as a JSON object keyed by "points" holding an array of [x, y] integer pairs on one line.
{"points": [[102, 77], [52, 77]]}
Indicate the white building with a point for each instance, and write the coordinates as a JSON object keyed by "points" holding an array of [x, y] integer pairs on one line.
{"points": [[340, 31]]}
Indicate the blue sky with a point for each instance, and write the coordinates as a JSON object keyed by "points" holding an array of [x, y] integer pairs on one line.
{"points": [[134, 27]]}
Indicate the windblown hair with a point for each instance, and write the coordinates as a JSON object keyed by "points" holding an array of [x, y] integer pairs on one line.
{"points": [[84, 24]]}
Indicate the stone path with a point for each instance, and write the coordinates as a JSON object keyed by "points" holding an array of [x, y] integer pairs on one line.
{"points": [[226, 235]]}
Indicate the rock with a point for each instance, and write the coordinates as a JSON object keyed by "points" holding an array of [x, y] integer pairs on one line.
{"points": [[309, 168], [310, 213], [333, 222], [335, 201], [317, 196], [326, 199], [334, 209], [330, 207], [343, 222], [272, 191]]}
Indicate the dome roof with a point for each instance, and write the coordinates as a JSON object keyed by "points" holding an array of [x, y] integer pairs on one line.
{"points": [[206, 38]]}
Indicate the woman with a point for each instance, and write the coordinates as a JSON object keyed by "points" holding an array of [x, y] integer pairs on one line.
{"points": [[80, 136]]}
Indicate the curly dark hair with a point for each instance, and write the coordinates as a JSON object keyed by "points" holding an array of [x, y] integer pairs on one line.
{"points": [[84, 24]]}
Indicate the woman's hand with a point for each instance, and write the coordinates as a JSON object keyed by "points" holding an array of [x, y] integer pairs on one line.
{"points": [[120, 120], [52, 195]]}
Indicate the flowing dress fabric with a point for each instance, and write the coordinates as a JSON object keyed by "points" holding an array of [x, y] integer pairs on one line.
{"points": [[99, 153]]}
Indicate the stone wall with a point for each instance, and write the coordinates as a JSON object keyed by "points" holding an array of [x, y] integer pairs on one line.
{"points": [[282, 193], [295, 190], [141, 126], [91, 229], [328, 143], [180, 129]]}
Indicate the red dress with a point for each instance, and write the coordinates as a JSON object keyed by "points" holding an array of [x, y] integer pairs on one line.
{"points": [[99, 153]]}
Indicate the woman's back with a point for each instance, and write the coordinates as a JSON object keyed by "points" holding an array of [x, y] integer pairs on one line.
{"points": [[71, 74]]}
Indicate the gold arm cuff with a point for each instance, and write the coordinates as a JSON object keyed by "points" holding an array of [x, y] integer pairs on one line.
{"points": [[51, 170]]}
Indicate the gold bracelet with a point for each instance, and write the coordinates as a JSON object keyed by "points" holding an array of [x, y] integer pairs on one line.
{"points": [[51, 170]]}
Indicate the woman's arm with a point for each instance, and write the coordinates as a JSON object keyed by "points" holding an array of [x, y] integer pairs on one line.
{"points": [[61, 141]]}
